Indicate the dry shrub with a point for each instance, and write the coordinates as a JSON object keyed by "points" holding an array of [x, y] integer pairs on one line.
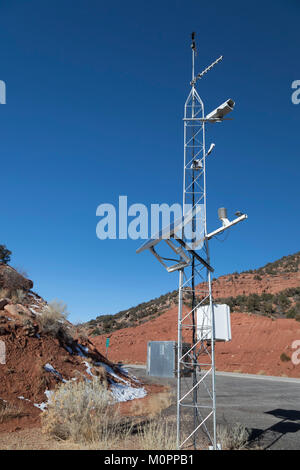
{"points": [[21, 271], [4, 293], [84, 412], [8, 411], [284, 357], [52, 318], [159, 434], [18, 296], [233, 437], [56, 309]]}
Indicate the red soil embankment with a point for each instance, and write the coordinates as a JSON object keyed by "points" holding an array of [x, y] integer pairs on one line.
{"points": [[257, 345]]}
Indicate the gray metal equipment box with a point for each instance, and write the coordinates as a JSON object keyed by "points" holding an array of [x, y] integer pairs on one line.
{"points": [[162, 358]]}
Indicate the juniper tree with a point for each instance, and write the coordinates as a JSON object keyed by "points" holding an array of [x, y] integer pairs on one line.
{"points": [[5, 254]]}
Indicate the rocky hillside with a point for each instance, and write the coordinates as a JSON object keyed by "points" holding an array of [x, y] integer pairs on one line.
{"points": [[133, 316], [254, 291], [39, 349]]}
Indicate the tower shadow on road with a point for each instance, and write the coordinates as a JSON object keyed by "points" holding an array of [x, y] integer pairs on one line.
{"points": [[289, 422]]}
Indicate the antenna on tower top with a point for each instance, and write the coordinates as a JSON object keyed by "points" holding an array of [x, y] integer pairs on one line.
{"points": [[194, 53], [193, 45], [200, 75], [207, 69]]}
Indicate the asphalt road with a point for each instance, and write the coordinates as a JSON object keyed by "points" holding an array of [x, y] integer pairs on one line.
{"points": [[269, 407]]}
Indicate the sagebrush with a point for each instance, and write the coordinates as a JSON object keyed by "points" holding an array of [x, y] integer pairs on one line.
{"points": [[234, 437], [158, 434], [53, 317], [84, 411]]}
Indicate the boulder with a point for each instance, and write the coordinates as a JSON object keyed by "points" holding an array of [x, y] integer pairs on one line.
{"points": [[17, 310], [4, 302]]}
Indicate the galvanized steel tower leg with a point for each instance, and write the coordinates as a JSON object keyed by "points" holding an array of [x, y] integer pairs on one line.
{"points": [[179, 354]]}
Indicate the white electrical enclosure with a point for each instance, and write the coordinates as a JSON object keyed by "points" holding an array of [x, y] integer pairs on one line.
{"points": [[222, 322]]}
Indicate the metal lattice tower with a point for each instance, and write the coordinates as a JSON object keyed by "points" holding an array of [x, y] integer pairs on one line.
{"points": [[197, 398], [188, 238]]}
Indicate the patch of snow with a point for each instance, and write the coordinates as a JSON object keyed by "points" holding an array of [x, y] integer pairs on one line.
{"points": [[68, 349], [22, 398], [135, 379], [35, 296], [123, 370], [126, 373], [110, 371], [34, 311], [88, 368], [41, 406], [49, 368], [81, 351], [122, 392], [48, 394]]}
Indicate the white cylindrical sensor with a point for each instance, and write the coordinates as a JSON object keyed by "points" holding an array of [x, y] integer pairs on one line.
{"points": [[222, 213]]}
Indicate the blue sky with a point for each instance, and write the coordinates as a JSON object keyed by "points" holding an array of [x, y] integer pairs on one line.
{"points": [[95, 95]]}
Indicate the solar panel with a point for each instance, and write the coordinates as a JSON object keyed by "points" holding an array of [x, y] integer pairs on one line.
{"points": [[171, 230], [175, 232]]}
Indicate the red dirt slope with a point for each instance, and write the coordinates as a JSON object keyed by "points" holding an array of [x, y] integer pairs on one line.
{"points": [[129, 345]]}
